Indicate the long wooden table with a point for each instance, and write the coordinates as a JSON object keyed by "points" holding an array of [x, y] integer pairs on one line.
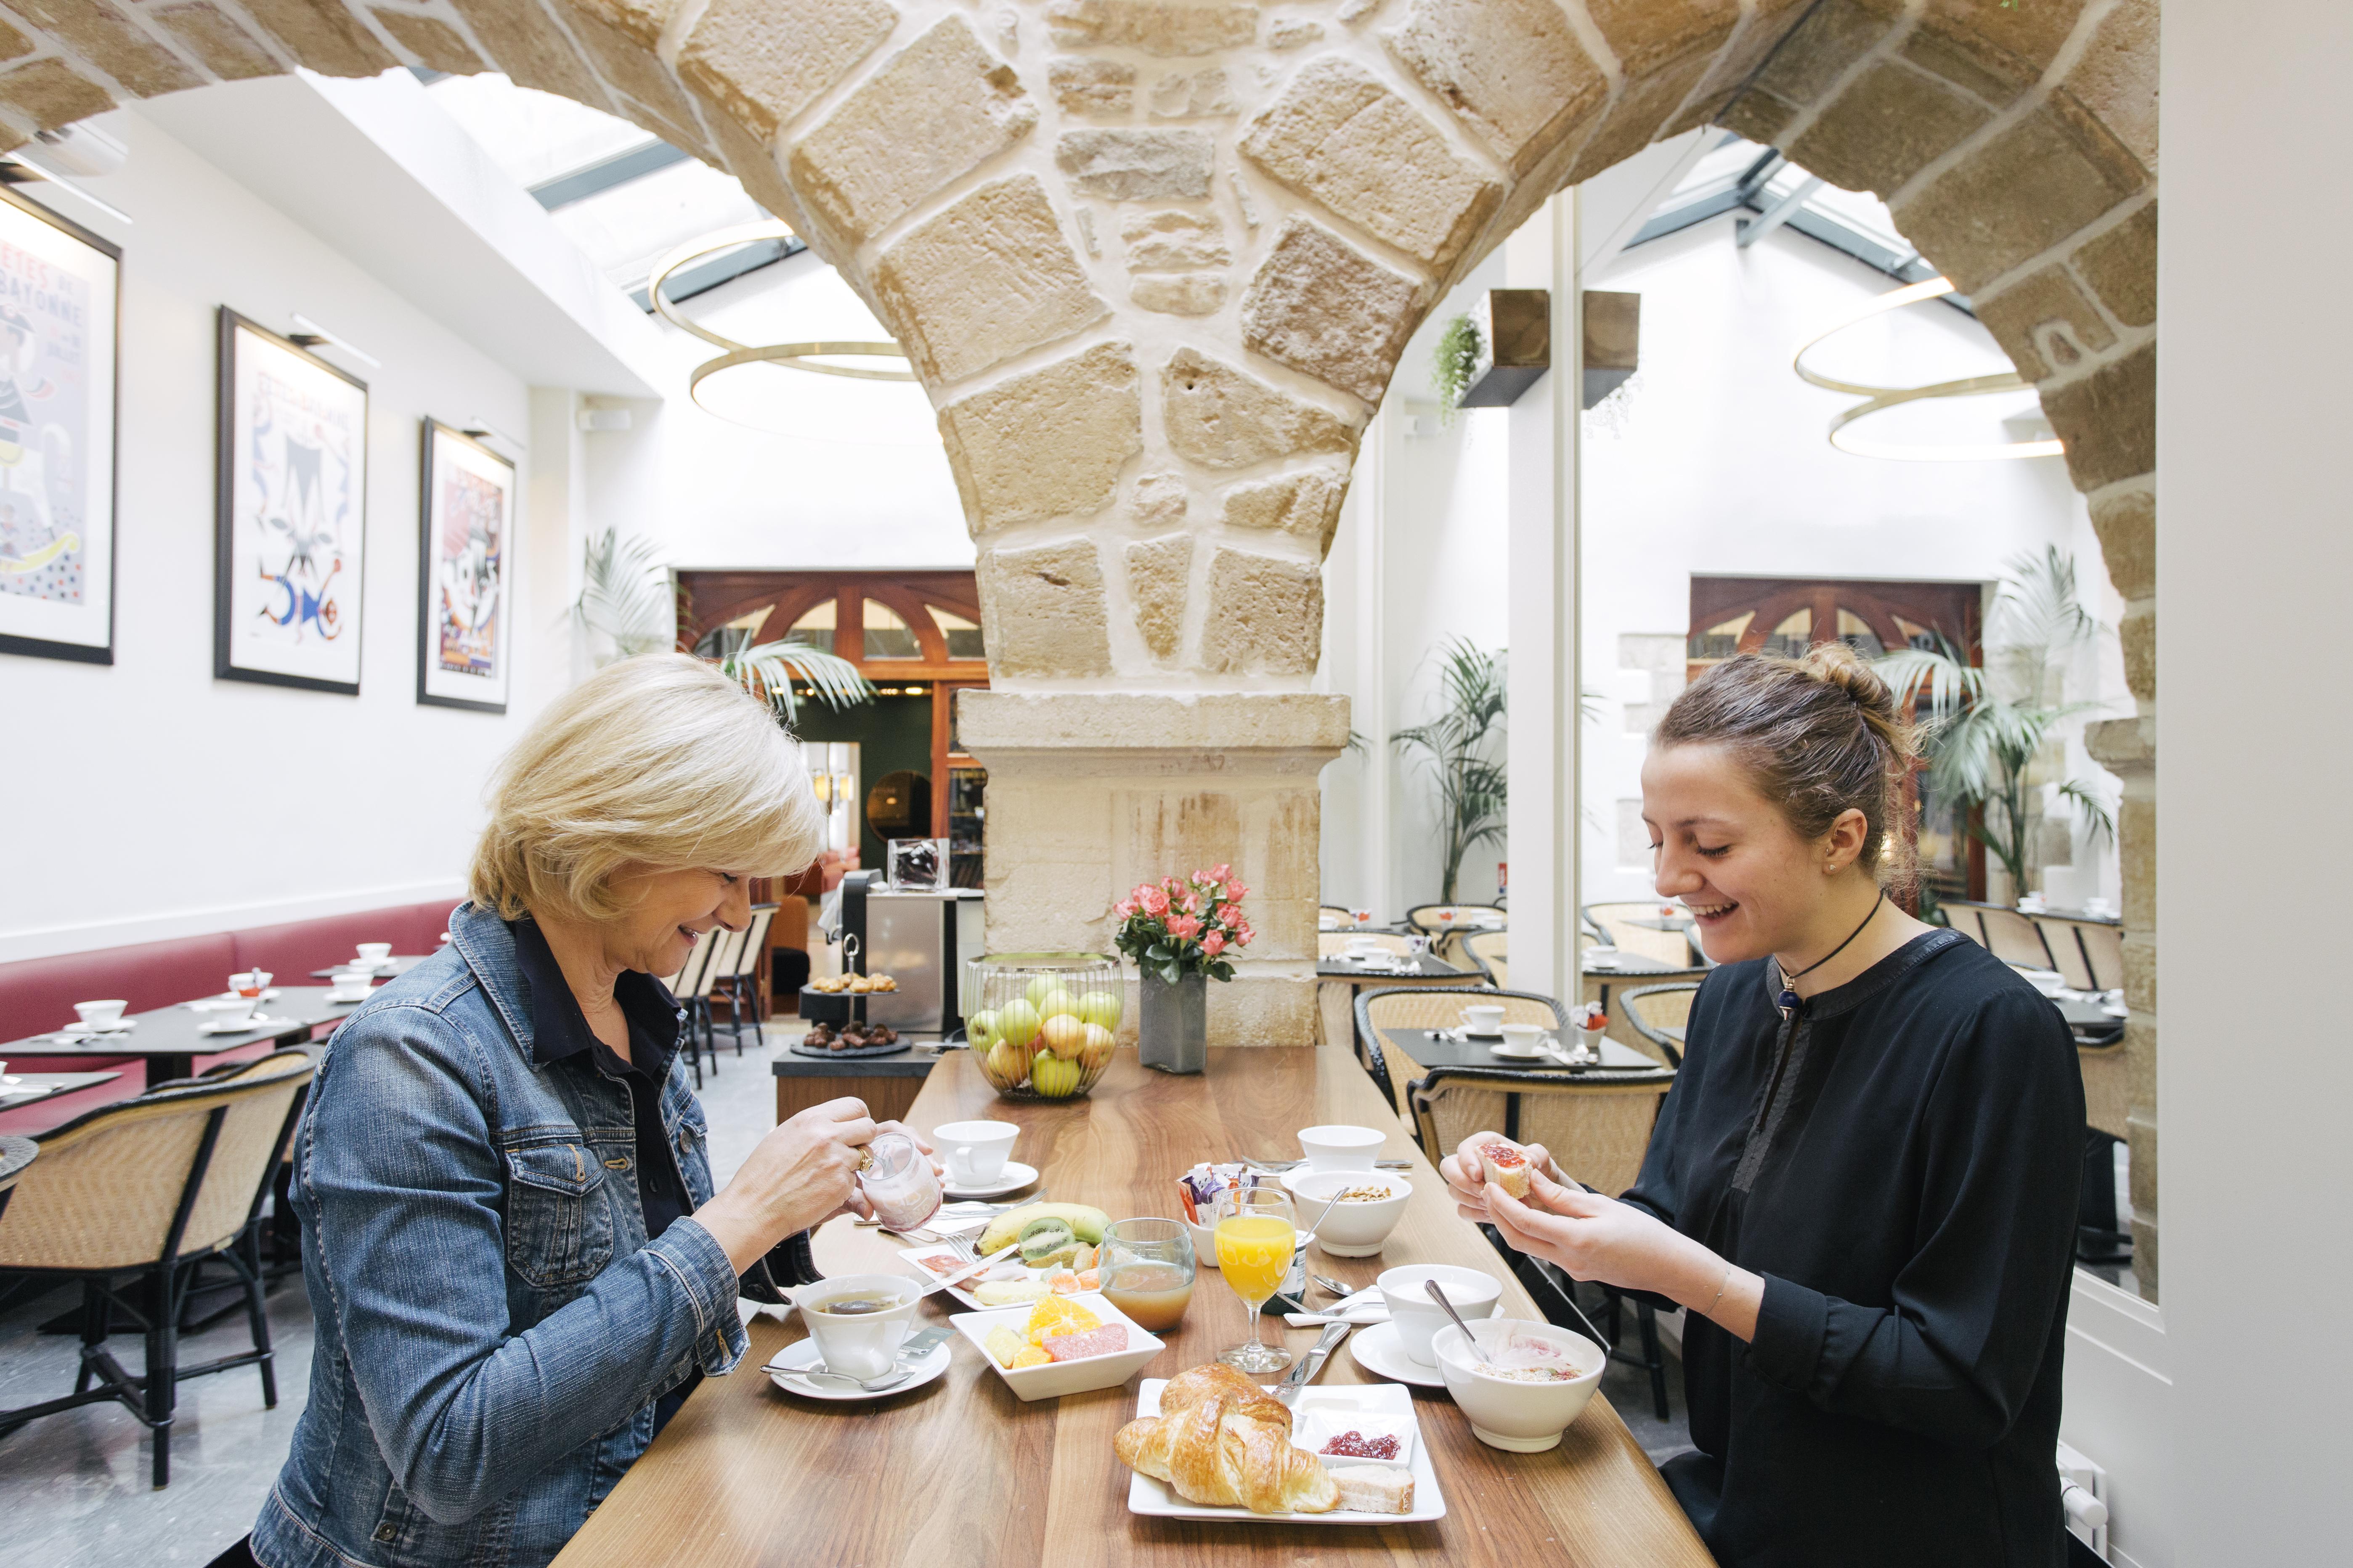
{"points": [[961, 1472]]}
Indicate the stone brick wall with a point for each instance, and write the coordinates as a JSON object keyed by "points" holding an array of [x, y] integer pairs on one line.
{"points": [[1155, 262]]}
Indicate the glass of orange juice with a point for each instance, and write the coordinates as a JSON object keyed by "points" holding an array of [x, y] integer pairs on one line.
{"points": [[1256, 1236]]}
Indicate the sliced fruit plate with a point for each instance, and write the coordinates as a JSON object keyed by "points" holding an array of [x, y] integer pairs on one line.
{"points": [[1064, 1344]]}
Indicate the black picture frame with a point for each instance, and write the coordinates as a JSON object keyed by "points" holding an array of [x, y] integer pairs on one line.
{"points": [[225, 458], [427, 553], [36, 646]]}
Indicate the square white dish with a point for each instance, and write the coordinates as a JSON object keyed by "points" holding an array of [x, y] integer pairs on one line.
{"points": [[1007, 1269], [1057, 1378], [1154, 1499]]}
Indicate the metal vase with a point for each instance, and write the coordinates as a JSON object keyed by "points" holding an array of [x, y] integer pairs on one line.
{"points": [[1172, 1025]]}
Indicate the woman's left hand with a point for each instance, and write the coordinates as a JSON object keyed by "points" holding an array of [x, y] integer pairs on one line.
{"points": [[1599, 1238]]}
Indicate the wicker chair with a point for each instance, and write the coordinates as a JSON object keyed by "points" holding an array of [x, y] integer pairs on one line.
{"points": [[2066, 949], [1596, 1129], [1334, 913], [1446, 935], [2009, 936], [741, 983], [150, 1187], [1490, 950], [1653, 1010], [701, 1034], [1398, 1008], [1332, 945], [1668, 947], [2104, 949], [1965, 919]]}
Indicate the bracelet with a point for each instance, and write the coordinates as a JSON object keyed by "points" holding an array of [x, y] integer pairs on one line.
{"points": [[1709, 1310]]}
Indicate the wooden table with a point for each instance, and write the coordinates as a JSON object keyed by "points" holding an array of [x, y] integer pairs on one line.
{"points": [[1338, 984], [171, 1039], [888, 1084], [962, 1472]]}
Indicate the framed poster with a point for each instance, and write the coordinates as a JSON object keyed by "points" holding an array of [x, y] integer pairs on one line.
{"points": [[465, 559], [291, 518], [60, 332]]}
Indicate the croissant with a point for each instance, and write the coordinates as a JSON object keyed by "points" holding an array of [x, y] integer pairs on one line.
{"points": [[1220, 1440]]}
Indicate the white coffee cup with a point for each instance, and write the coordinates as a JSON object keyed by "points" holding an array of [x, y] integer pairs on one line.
{"points": [[1338, 1148], [1601, 957], [250, 981], [99, 1012], [976, 1152], [1418, 1317], [866, 1344], [1365, 946], [1482, 1020], [373, 953], [351, 986], [1524, 1039], [228, 1012]]}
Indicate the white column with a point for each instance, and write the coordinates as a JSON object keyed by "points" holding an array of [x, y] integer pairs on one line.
{"points": [[1541, 604]]}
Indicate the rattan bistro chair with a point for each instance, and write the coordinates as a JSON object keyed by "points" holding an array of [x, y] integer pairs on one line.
{"points": [[2104, 949], [149, 1187], [1335, 943], [1668, 947], [1491, 951], [1334, 913]]}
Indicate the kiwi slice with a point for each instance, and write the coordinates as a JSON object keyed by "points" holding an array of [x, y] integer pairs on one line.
{"points": [[1043, 1237]]}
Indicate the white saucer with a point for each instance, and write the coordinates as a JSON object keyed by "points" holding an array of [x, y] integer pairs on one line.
{"points": [[341, 1000], [1379, 1351], [117, 1027], [1509, 1053], [802, 1356], [223, 1026], [1012, 1179]]}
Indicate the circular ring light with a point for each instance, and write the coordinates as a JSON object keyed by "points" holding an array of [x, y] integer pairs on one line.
{"points": [[1879, 399], [807, 356]]}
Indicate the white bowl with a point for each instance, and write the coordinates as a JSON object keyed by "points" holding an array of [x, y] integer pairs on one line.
{"points": [[1518, 1417], [1057, 1378], [1335, 1148], [1475, 1296], [100, 1012], [1348, 1230]]}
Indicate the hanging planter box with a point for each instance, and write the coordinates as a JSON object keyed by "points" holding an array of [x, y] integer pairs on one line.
{"points": [[1516, 345]]}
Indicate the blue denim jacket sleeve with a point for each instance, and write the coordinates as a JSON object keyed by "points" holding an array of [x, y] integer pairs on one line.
{"points": [[407, 1180]]}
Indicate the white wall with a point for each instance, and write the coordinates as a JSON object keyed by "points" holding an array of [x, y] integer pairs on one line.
{"points": [[149, 799]]}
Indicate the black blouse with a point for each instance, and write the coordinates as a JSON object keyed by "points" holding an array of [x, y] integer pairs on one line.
{"points": [[1900, 1162]]}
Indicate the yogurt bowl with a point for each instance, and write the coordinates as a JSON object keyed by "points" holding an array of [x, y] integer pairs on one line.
{"points": [[1507, 1413], [1353, 1228]]}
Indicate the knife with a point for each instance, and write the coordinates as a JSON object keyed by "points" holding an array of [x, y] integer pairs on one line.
{"points": [[1311, 1364], [969, 1270]]}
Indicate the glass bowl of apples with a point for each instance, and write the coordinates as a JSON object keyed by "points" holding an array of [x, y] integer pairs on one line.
{"points": [[1042, 1026]]}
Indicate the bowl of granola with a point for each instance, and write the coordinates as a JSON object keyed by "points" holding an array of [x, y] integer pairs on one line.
{"points": [[1365, 1206]]}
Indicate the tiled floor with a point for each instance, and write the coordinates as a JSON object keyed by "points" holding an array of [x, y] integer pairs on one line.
{"points": [[73, 1489]]}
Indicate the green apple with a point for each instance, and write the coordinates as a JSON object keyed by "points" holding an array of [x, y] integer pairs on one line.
{"points": [[1017, 1021], [1040, 984], [983, 1030], [1059, 1002], [1101, 1008]]}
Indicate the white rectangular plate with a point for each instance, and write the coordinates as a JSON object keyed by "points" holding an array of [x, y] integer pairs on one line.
{"points": [[1154, 1499], [914, 1256]]}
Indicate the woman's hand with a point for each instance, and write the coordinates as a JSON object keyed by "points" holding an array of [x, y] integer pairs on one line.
{"points": [[801, 1176], [1599, 1238], [1466, 1173]]}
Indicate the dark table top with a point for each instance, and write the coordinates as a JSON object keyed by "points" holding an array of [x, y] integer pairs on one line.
{"points": [[916, 1061], [398, 964], [32, 1088], [175, 1031], [1629, 963], [1430, 1050], [1427, 966]]}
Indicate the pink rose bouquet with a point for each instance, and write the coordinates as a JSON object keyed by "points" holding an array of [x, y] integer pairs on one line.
{"points": [[1182, 924]]}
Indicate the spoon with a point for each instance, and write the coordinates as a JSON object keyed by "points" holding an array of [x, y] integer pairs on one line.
{"points": [[1439, 1296], [871, 1385]]}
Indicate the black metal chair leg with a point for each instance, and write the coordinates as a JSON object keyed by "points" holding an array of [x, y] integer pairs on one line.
{"points": [[257, 1314], [163, 1369], [1646, 1318], [96, 1310]]}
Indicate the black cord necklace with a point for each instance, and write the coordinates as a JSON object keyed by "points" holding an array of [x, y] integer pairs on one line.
{"points": [[1787, 1002]]}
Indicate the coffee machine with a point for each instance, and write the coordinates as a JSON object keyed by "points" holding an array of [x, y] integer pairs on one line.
{"points": [[922, 939]]}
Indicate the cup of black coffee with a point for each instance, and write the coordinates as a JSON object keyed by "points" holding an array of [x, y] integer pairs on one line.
{"points": [[859, 1320]]}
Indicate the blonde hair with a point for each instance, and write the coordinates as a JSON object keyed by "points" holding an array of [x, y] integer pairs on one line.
{"points": [[656, 763]]}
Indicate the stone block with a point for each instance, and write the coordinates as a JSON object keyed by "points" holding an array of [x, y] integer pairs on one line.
{"points": [[1322, 307], [328, 39], [1965, 68], [2140, 972], [2136, 637], [1221, 417], [207, 32], [1158, 574], [1193, 95], [2109, 420], [935, 110], [1767, 27], [1885, 129], [1648, 34], [1818, 50], [2045, 323], [117, 47], [523, 43], [2126, 747], [1045, 906], [2018, 194], [1176, 241], [1758, 115], [1082, 85], [1043, 608], [765, 69], [754, 164], [1340, 137], [1307, 504], [1292, 734], [1137, 165], [1153, 27], [1048, 444], [1065, 820], [1512, 70], [1265, 615], [1293, 33], [1178, 294], [2126, 524], [633, 70], [1159, 502], [2136, 857], [988, 279], [642, 20], [1263, 1010], [435, 44], [51, 93], [1636, 117], [2020, 41], [2121, 268], [2115, 77], [13, 44]]}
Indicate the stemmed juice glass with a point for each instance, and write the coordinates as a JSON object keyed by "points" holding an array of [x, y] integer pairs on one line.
{"points": [[1256, 1236]]}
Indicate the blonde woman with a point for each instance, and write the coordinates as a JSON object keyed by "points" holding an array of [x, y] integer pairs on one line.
{"points": [[516, 1261]]}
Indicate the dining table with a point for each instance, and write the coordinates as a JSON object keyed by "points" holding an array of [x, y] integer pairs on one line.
{"points": [[959, 1472], [22, 1089], [392, 968], [1411, 1054], [1338, 982], [170, 1039]]}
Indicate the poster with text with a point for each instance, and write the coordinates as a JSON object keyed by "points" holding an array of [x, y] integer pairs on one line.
{"points": [[293, 514], [57, 288], [464, 644]]}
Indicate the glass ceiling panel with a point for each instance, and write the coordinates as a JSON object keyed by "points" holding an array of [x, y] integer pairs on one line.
{"points": [[533, 136]]}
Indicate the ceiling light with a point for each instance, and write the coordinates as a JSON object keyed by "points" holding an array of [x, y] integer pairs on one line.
{"points": [[1879, 399]]}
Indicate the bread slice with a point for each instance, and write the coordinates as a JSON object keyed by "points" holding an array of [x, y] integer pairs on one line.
{"points": [[1375, 1488], [1505, 1165]]}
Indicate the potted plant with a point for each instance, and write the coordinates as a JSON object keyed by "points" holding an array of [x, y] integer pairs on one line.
{"points": [[1460, 750], [1179, 931]]}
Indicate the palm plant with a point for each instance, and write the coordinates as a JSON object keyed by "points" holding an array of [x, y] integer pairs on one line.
{"points": [[1985, 728], [768, 671], [1459, 746]]}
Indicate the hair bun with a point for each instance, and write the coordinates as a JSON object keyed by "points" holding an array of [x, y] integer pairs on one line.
{"points": [[1839, 665]]}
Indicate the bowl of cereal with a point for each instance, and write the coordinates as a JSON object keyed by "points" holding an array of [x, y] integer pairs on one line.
{"points": [[1365, 1206], [1522, 1384]]}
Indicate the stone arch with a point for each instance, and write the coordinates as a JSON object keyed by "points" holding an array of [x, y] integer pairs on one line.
{"points": [[1155, 262]]}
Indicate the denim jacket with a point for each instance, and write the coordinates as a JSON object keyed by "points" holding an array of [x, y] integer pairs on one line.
{"points": [[493, 1327]]}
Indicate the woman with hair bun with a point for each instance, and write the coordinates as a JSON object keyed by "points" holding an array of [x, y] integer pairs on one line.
{"points": [[1863, 1183]]}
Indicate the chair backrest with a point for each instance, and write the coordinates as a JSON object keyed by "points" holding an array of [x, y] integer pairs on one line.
{"points": [[724, 945], [1333, 944], [681, 984], [755, 945], [1966, 919], [2066, 951], [1654, 1009], [1598, 1128], [1490, 950], [2014, 938], [1334, 913], [2104, 949], [1426, 918], [1670, 947], [112, 1187]]}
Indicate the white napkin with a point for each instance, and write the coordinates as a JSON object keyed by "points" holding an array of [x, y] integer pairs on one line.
{"points": [[1366, 1306]]}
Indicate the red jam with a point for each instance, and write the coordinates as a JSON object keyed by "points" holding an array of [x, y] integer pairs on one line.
{"points": [[1357, 1446], [1504, 1154]]}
